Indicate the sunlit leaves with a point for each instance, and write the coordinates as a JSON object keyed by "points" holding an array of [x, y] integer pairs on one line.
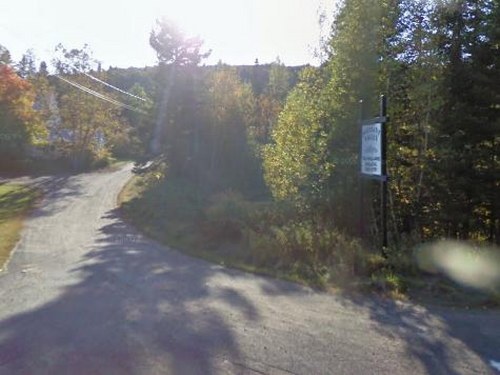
{"points": [[296, 163], [88, 124], [19, 122], [229, 112], [72, 61]]}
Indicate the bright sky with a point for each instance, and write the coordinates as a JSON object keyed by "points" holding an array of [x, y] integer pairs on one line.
{"points": [[237, 31]]}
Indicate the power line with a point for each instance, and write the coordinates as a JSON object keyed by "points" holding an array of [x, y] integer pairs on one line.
{"points": [[100, 96], [92, 92], [114, 87]]}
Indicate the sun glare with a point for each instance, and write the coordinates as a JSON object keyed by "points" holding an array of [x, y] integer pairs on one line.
{"points": [[222, 24], [237, 31], [244, 30], [469, 266]]}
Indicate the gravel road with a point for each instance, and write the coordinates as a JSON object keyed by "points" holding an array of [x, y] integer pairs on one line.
{"points": [[86, 294]]}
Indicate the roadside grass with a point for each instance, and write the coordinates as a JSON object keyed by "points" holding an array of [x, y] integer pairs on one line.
{"points": [[260, 237], [176, 216], [15, 203], [253, 236]]}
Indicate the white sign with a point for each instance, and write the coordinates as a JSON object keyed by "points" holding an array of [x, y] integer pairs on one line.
{"points": [[371, 149]]}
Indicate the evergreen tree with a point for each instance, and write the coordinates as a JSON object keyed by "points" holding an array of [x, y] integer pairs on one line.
{"points": [[173, 50], [468, 122], [5, 57], [27, 65]]}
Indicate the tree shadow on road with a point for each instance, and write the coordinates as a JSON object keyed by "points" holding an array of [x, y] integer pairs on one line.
{"points": [[57, 193], [134, 310], [56, 190], [442, 340]]}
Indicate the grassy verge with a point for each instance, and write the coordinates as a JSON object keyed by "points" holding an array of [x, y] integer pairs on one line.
{"points": [[175, 215], [254, 236], [263, 238], [15, 203]]}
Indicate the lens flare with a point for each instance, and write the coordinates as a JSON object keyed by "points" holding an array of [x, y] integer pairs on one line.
{"points": [[476, 267]]}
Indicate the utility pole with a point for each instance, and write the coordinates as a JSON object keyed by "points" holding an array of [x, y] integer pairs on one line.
{"points": [[361, 180], [373, 163], [383, 181]]}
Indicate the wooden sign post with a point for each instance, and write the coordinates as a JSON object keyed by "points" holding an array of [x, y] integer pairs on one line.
{"points": [[373, 162]]}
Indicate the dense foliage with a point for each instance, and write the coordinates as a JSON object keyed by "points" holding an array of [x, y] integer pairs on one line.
{"points": [[20, 124], [438, 64]]}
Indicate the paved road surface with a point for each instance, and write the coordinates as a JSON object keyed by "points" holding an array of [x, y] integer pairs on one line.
{"points": [[85, 294]]}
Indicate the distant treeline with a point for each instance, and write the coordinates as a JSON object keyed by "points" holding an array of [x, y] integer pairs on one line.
{"points": [[256, 75]]}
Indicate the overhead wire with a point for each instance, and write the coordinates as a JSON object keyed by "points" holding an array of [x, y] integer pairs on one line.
{"points": [[92, 92], [100, 96], [114, 87]]}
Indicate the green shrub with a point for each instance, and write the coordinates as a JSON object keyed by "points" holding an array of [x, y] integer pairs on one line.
{"points": [[164, 205], [310, 251], [226, 216], [388, 282], [315, 243], [264, 249], [372, 263], [262, 215], [100, 163]]}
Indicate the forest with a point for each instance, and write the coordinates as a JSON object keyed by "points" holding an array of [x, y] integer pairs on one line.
{"points": [[258, 166]]}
